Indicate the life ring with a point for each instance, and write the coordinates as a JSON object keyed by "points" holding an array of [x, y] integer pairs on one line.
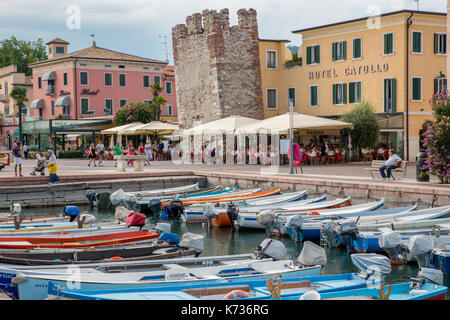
{"points": [[116, 258], [313, 213], [62, 232], [236, 294]]}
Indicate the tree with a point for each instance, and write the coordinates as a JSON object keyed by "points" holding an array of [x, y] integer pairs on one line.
{"points": [[134, 112], [366, 129], [21, 53], [19, 95], [437, 139], [157, 100]]}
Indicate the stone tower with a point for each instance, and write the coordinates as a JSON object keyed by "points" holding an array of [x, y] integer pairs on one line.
{"points": [[217, 67]]}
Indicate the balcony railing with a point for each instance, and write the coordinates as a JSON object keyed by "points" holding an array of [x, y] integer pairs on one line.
{"points": [[50, 90]]}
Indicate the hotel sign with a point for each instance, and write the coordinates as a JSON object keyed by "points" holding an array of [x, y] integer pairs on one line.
{"points": [[348, 71], [89, 92]]}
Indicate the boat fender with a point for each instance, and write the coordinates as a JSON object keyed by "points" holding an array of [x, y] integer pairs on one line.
{"points": [[236, 294]]}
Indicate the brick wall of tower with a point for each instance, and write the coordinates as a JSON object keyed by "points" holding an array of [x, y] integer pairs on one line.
{"points": [[217, 67]]}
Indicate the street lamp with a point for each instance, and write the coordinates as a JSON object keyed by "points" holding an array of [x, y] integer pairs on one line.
{"points": [[291, 136]]}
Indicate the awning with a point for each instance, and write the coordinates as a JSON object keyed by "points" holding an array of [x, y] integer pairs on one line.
{"points": [[117, 130], [225, 125], [154, 127], [37, 104], [16, 133], [63, 101], [49, 76]]}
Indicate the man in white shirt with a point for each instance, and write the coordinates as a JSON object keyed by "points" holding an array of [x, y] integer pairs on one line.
{"points": [[390, 164]]}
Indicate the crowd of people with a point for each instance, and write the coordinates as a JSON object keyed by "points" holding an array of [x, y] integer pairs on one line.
{"points": [[380, 153]]}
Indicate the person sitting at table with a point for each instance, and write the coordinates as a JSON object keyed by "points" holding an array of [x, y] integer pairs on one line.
{"points": [[331, 153]]}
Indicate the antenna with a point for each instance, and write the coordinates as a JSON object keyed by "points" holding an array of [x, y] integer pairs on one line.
{"points": [[165, 43]]}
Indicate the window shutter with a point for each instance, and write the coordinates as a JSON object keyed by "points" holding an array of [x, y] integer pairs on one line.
{"points": [[317, 54], [358, 92], [334, 51], [417, 42], [344, 49], [436, 43], [394, 96], [386, 44], [308, 55], [357, 48], [334, 94], [344, 95], [351, 92]]}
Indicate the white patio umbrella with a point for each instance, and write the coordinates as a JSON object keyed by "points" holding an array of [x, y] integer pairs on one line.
{"points": [[154, 127], [224, 125], [119, 129]]}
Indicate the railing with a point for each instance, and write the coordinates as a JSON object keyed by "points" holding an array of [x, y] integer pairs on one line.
{"points": [[50, 90], [291, 64]]}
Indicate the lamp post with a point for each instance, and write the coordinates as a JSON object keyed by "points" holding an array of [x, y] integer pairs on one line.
{"points": [[291, 137]]}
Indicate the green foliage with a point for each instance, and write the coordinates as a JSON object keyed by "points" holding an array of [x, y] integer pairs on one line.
{"points": [[366, 129], [21, 53], [134, 112], [61, 117], [19, 94], [69, 155]]}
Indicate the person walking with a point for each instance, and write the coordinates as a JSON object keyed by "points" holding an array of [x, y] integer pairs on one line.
{"points": [[52, 167], [25, 151], [148, 152], [17, 153], [391, 163], [117, 151], [101, 152], [91, 155]]}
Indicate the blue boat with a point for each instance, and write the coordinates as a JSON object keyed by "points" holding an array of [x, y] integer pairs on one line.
{"points": [[258, 289], [441, 260]]}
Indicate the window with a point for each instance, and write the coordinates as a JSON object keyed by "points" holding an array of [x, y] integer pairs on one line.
{"points": [[339, 51], [108, 79], [40, 83], [313, 97], [156, 79], [339, 93], [271, 98], [148, 101], [6, 109], [5, 88], [357, 48], [49, 50], [84, 105], [169, 111], [416, 42], [146, 68], [122, 102], [291, 96], [168, 87], [416, 88], [108, 107], [440, 43], [271, 59], [83, 64], [389, 95], [65, 78], [146, 81], [313, 54], [388, 45], [83, 78], [66, 110], [122, 80], [53, 107], [122, 67], [59, 50], [354, 92], [440, 84], [108, 66]]}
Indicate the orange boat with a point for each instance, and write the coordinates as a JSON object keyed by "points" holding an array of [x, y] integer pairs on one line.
{"points": [[70, 241], [237, 197]]}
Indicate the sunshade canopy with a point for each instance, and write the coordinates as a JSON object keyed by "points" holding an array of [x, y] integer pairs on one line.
{"points": [[49, 76], [119, 129], [63, 102], [151, 127], [229, 124], [301, 121], [37, 104]]}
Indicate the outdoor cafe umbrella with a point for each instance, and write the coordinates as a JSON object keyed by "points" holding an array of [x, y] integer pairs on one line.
{"points": [[224, 125], [300, 121], [119, 129], [154, 127]]}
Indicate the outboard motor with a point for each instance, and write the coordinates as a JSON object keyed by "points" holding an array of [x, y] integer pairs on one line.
{"points": [[72, 211], [232, 211], [15, 209], [347, 230], [135, 219], [267, 219], [209, 211], [90, 195], [427, 275], [371, 264], [155, 206], [121, 214], [390, 241], [312, 255], [270, 248], [193, 241], [421, 247], [173, 210], [130, 201], [295, 223], [328, 231], [104, 202]]}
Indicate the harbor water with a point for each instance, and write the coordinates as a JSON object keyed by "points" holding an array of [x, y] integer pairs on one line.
{"points": [[222, 241]]}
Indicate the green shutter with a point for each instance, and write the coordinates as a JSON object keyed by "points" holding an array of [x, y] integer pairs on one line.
{"points": [[308, 55], [386, 50], [356, 48], [388, 43], [317, 54], [358, 92], [344, 48], [416, 94], [436, 43], [417, 43], [334, 51], [313, 96], [345, 93], [394, 95], [436, 85], [334, 93], [351, 92]]}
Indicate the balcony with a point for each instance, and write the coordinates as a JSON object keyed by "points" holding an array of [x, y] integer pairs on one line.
{"points": [[50, 90]]}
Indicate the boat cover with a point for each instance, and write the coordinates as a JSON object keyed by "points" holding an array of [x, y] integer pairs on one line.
{"points": [[273, 248], [420, 244], [121, 214], [90, 219], [371, 263], [171, 238], [192, 240], [312, 255], [390, 239], [135, 219], [163, 227], [72, 211], [294, 221], [209, 210], [117, 197], [266, 216]]}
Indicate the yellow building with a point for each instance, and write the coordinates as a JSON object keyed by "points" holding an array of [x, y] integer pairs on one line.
{"points": [[392, 61]]}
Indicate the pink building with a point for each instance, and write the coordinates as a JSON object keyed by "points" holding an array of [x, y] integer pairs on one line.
{"points": [[169, 111], [94, 82]]}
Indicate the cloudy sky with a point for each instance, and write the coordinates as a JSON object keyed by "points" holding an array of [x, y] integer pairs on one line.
{"points": [[140, 26]]}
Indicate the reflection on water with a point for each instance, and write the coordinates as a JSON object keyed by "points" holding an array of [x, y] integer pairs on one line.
{"points": [[221, 241]]}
